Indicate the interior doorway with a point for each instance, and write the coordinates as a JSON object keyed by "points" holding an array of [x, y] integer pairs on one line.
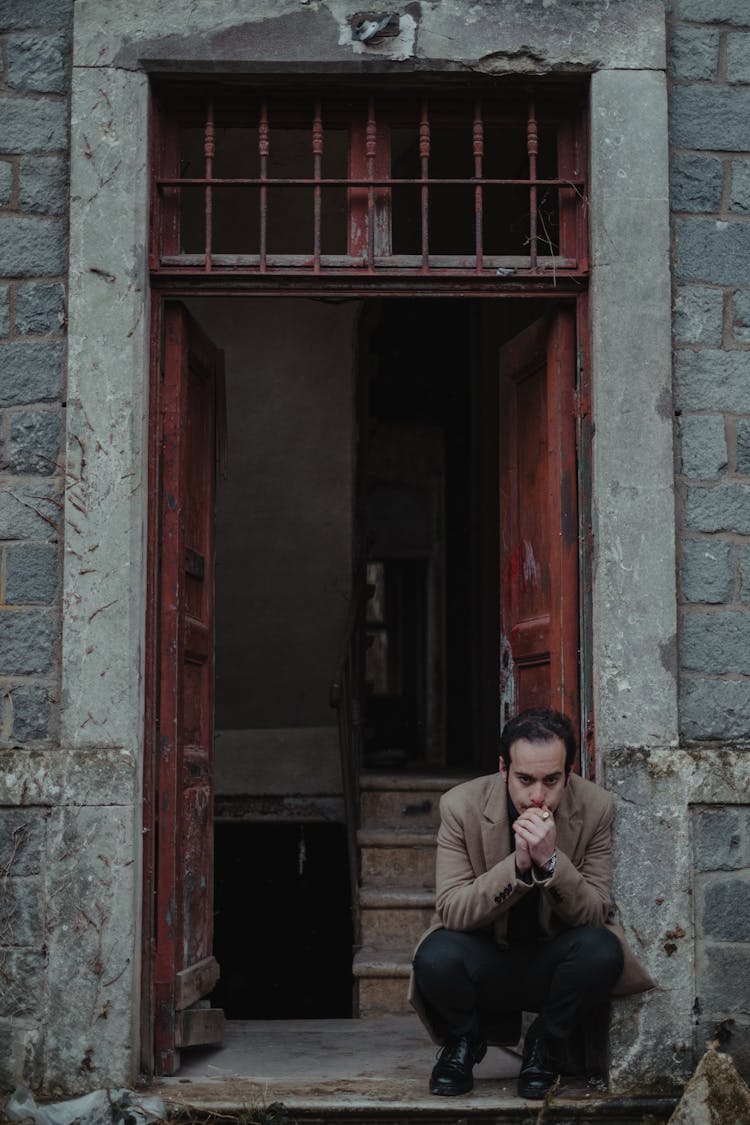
{"points": [[362, 446]]}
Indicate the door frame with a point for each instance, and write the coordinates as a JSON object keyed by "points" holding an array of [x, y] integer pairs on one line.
{"points": [[171, 292]]}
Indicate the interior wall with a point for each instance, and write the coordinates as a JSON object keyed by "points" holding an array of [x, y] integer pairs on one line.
{"points": [[283, 537]]}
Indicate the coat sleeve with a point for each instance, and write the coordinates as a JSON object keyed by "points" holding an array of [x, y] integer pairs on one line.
{"points": [[581, 894], [465, 899]]}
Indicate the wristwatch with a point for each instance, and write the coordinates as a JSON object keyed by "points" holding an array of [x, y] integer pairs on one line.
{"points": [[547, 869]]}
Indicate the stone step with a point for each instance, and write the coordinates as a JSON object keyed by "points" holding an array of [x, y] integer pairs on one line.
{"points": [[382, 996], [395, 917], [404, 898], [399, 815], [382, 964], [407, 810], [403, 800], [408, 782], [388, 929], [382, 979], [389, 837], [393, 867], [397, 859]]}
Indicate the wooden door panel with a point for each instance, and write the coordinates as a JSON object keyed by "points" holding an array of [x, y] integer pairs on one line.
{"points": [[538, 519], [193, 370]]}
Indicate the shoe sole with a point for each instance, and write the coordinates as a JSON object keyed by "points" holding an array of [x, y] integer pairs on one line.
{"points": [[452, 1093]]}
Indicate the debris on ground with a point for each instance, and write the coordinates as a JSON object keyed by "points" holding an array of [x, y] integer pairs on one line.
{"points": [[715, 1095], [101, 1107]]}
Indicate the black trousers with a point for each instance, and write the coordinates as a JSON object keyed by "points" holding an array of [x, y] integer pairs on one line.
{"points": [[467, 979]]}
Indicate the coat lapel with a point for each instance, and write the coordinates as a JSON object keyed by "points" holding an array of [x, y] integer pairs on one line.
{"points": [[495, 832], [568, 819]]}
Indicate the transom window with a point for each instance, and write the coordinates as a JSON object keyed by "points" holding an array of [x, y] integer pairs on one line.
{"points": [[449, 182]]}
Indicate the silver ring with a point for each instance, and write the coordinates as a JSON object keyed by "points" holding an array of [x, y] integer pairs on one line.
{"points": [[545, 815]]}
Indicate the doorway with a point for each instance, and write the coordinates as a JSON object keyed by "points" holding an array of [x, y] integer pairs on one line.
{"points": [[362, 445], [359, 525]]}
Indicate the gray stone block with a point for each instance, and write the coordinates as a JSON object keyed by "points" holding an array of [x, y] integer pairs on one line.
{"points": [[30, 510], [21, 911], [724, 986], [744, 554], [711, 379], [703, 445], [34, 442], [35, 13], [738, 55], [711, 117], [43, 184], [21, 983], [712, 250], [724, 507], [716, 641], [4, 310], [40, 308], [712, 11], [31, 573], [717, 838], [31, 714], [698, 315], [714, 709], [21, 1053], [27, 641], [705, 570], [743, 446], [30, 371], [22, 836], [6, 182], [741, 322], [33, 125], [739, 195], [694, 52], [37, 63], [31, 246], [696, 183], [725, 914]]}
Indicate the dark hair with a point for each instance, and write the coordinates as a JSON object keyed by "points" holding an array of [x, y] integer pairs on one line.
{"points": [[539, 724]]}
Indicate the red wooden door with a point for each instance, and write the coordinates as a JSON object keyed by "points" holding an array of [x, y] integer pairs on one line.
{"points": [[185, 969], [539, 519]]}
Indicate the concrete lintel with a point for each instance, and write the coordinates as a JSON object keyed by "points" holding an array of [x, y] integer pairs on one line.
{"points": [[634, 596], [488, 36]]}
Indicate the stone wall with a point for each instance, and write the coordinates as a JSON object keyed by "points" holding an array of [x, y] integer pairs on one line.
{"points": [[721, 856], [34, 111], [710, 167], [677, 806]]}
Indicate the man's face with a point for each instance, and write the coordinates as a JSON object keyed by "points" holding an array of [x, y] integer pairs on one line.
{"points": [[536, 777]]}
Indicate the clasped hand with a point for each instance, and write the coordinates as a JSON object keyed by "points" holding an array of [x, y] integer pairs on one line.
{"points": [[536, 837]]}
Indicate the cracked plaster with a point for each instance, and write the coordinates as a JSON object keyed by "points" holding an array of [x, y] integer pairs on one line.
{"points": [[494, 36]]}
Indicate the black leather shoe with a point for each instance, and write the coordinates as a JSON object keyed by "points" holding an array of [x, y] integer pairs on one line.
{"points": [[452, 1073], [538, 1070]]}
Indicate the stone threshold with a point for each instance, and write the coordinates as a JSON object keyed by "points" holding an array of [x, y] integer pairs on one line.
{"points": [[358, 1071]]}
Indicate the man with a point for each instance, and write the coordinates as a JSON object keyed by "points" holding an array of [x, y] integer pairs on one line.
{"points": [[524, 911]]}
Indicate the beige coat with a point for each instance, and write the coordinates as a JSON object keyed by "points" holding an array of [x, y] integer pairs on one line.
{"points": [[476, 881]]}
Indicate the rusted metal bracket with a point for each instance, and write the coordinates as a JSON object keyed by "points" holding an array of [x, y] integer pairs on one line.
{"points": [[370, 27]]}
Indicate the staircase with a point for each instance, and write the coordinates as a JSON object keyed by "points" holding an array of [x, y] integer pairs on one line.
{"points": [[399, 819]]}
